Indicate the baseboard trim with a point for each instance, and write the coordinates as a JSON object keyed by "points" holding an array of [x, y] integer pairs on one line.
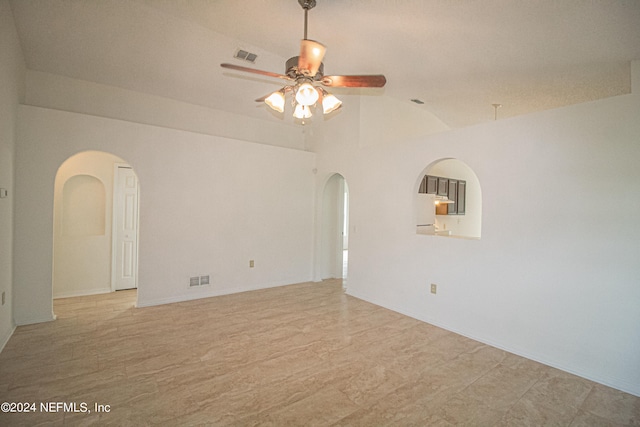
{"points": [[83, 293], [7, 337], [212, 293], [23, 322]]}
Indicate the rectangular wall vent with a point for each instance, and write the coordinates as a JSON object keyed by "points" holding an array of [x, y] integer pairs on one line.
{"points": [[196, 281], [245, 56]]}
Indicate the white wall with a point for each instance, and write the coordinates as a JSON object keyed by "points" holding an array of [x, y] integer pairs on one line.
{"points": [[386, 120], [207, 206], [82, 257], [554, 277], [64, 93], [12, 70]]}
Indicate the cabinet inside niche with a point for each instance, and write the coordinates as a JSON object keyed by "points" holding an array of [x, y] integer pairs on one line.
{"points": [[453, 189]]}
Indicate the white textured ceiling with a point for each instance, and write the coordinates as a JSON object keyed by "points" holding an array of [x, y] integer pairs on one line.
{"points": [[458, 56]]}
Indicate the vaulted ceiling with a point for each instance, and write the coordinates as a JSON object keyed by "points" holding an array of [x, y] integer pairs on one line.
{"points": [[458, 57]]}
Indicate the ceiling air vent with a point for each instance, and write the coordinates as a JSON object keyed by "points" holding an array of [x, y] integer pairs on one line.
{"points": [[246, 56]]}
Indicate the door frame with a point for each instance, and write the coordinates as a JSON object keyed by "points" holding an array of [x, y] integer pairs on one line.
{"points": [[114, 220]]}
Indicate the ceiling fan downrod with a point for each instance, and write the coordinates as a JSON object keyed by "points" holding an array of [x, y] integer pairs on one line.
{"points": [[306, 5]]}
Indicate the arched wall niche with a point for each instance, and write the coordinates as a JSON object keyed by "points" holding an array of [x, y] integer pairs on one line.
{"points": [[83, 206], [432, 222]]}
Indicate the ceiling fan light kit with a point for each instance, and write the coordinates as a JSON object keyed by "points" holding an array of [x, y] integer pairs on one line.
{"points": [[306, 94], [306, 72], [302, 112], [276, 101], [329, 102]]}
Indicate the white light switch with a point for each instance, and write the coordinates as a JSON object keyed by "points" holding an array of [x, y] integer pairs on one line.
{"points": [[3, 193]]}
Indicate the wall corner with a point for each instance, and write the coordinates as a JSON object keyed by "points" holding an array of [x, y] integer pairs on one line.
{"points": [[635, 77]]}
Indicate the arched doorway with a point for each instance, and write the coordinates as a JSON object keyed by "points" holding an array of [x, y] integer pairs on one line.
{"points": [[335, 229], [95, 195]]}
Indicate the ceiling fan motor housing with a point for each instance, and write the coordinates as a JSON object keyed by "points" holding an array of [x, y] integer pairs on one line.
{"points": [[291, 70]]}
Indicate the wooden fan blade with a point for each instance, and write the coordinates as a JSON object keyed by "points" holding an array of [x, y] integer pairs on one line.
{"points": [[374, 80], [310, 59], [254, 71]]}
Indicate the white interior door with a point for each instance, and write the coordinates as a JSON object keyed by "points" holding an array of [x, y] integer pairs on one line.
{"points": [[125, 229]]}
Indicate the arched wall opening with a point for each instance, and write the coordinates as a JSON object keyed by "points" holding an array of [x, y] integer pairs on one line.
{"points": [[448, 200], [335, 229], [87, 210]]}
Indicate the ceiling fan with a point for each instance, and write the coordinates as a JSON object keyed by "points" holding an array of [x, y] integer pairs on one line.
{"points": [[306, 72]]}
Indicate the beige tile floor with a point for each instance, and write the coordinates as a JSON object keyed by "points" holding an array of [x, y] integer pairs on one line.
{"points": [[304, 355]]}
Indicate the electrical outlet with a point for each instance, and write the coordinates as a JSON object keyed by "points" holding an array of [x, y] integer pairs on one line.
{"points": [[434, 288], [251, 263]]}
